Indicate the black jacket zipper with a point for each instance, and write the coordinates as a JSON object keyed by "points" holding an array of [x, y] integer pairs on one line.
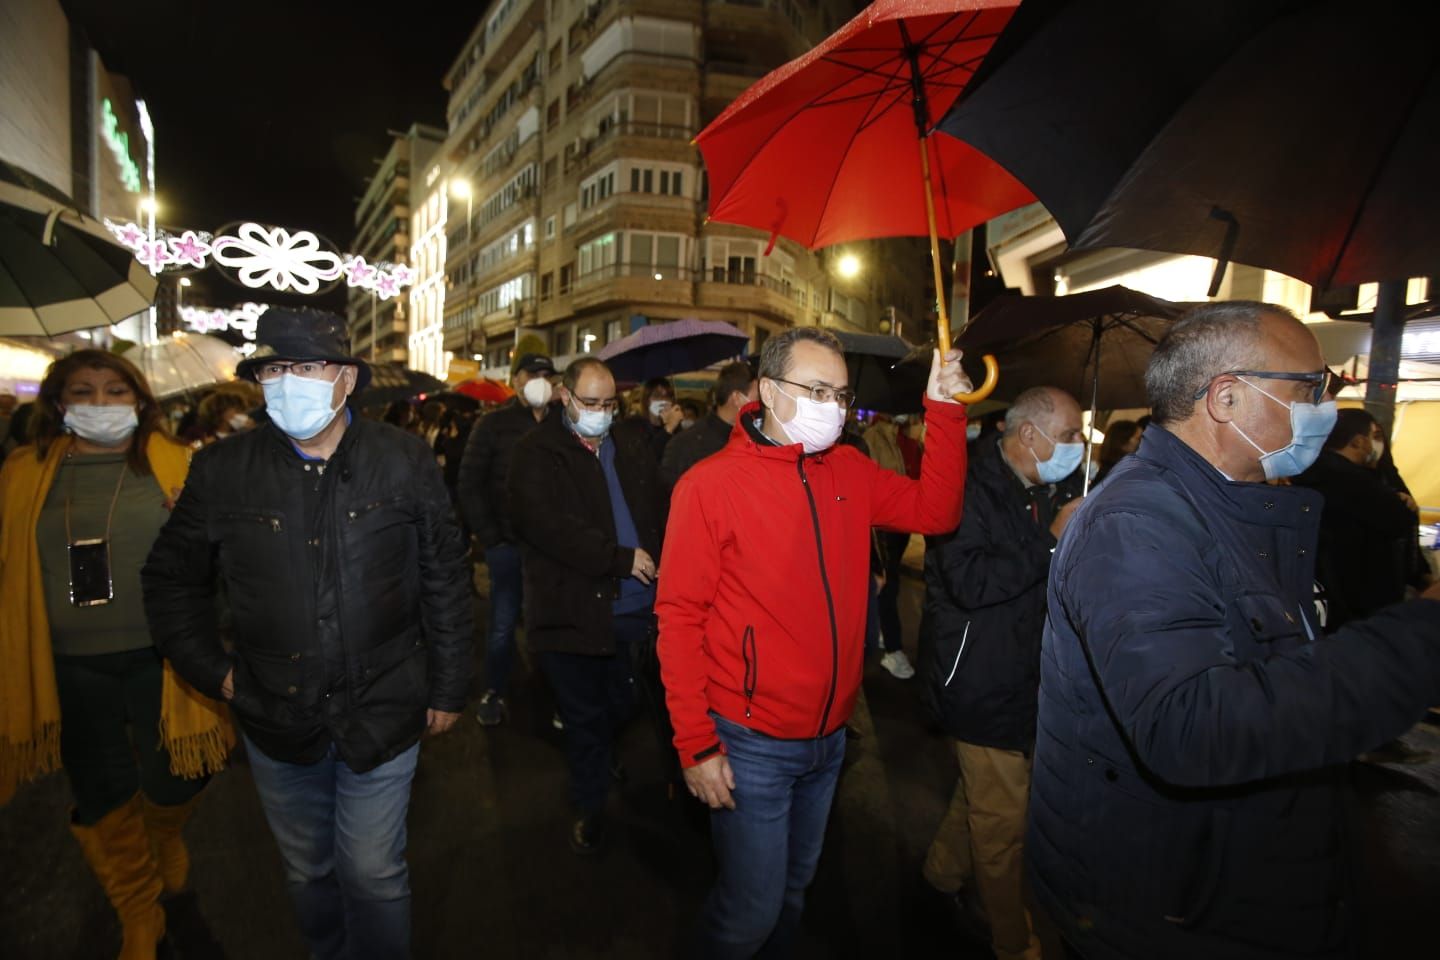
{"points": [[829, 600], [752, 666]]}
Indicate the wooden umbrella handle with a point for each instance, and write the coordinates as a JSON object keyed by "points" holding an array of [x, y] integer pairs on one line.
{"points": [[992, 368]]}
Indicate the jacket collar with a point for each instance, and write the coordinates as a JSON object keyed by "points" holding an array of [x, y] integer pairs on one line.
{"points": [[1257, 503], [747, 435]]}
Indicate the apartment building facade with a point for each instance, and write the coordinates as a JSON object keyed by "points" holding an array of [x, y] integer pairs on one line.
{"points": [[577, 198], [380, 327]]}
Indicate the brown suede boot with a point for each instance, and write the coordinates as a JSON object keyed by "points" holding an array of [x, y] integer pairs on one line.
{"points": [[166, 826], [118, 850]]}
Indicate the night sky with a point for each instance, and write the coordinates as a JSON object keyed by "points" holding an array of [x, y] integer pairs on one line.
{"points": [[276, 110]]}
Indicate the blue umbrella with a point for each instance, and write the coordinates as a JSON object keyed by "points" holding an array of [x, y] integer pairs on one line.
{"points": [[663, 349]]}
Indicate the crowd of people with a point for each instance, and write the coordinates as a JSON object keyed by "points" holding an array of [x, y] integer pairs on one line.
{"points": [[1151, 690]]}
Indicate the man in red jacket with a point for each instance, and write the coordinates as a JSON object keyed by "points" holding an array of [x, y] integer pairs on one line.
{"points": [[762, 601]]}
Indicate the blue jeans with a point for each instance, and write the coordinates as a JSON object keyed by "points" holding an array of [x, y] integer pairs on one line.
{"points": [[769, 845], [596, 698], [506, 589], [341, 836]]}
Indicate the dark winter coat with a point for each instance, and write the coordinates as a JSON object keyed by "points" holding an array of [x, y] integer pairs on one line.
{"points": [[485, 468], [1367, 536], [347, 627], [689, 447], [985, 606], [1194, 720], [560, 506]]}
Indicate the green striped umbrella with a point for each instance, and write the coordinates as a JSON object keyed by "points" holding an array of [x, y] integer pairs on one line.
{"points": [[59, 269]]}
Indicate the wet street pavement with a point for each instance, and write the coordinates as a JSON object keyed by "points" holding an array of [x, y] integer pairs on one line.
{"points": [[493, 875]]}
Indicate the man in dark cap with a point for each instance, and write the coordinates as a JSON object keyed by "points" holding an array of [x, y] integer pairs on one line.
{"points": [[348, 587], [483, 470]]}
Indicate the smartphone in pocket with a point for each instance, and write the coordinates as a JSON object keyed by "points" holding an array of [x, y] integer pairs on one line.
{"points": [[90, 583]]}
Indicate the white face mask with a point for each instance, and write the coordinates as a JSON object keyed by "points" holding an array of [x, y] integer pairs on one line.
{"points": [[658, 408], [1377, 450], [815, 426], [105, 425], [239, 421], [537, 392]]}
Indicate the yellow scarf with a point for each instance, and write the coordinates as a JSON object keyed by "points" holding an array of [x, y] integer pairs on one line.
{"points": [[195, 729]]}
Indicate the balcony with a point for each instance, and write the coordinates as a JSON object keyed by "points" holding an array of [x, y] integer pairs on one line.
{"points": [[749, 291], [510, 39], [633, 283]]}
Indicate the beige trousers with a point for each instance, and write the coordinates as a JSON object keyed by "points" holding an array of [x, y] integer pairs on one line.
{"points": [[980, 843]]}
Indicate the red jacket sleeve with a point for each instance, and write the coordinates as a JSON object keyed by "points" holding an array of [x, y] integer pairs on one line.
{"points": [[932, 504], [686, 589]]}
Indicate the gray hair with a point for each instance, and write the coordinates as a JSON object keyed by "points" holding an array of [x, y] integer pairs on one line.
{"points": [[1209, 340], [775, 355], [1032, 406]]}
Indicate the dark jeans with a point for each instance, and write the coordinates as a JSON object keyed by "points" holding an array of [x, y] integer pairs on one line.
{"points": [[888, 602], [596, 698], [342, 838], [110, 733], [769, 845], [503, 563]]}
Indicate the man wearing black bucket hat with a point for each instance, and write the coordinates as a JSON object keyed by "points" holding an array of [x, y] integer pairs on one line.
{"points": [[347, 581]]}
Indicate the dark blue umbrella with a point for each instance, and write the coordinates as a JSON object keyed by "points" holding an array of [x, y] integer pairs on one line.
{"points": [[882, 381], [663, 349]]}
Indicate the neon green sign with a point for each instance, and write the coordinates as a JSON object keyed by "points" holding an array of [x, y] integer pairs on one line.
{"points": [[119, 142]]}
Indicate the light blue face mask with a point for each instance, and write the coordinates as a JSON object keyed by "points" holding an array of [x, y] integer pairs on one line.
{"points": [[300, 406], [1061, 463], [592, 424], [1310, 425]]}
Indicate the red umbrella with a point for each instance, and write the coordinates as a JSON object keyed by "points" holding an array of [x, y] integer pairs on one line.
{"points": [[485, 390], [816, 151]]}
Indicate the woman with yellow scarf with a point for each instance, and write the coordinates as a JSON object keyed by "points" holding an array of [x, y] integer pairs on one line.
{"points": [[81, 684]]}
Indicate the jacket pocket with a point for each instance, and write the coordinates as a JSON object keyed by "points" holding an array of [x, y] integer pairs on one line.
{"points": [[752, 666], [267, 683], [392, 673], [1270, 622]]}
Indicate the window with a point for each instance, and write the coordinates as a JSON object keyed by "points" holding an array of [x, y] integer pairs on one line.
{"points": [[502, 296], [567, 277], [555, 58], [564, 341], [614, 330], [597, 189], [670, 181], [547, 286], [552, 169], [597, 254], [552, 114], [657, 255], [510, 245], [519, 187]]}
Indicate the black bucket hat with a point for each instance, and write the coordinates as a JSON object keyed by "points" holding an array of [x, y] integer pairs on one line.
{"points": [[302, 333]]}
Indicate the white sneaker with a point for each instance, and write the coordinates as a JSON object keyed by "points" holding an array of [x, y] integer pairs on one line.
{"points": [[898, 665]]}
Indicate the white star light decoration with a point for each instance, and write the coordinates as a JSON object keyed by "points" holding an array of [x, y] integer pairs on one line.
{"points": [[263, 256]]}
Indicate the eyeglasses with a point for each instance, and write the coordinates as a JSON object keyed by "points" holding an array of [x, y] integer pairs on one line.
{"points": [[1322, 380], [608, 406], [824, 393], [305, 369]]}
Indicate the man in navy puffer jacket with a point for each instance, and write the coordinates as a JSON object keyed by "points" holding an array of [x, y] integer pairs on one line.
{"points": [[1194, 719]]}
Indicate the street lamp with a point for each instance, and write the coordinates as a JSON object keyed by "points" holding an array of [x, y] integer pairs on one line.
{"points": [[848, 267]]}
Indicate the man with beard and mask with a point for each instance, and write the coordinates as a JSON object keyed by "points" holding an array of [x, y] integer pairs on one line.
{"points": [[980, 653], [350, 604], [762, 620], [588, 511], [1194, 722], [483, 501]]}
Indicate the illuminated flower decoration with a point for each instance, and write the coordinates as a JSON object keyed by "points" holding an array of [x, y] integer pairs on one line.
{"points": [[128, 234], [189, 250], [275, 257], [386, 286], [154, 254], [403, 275], [358, 273]]}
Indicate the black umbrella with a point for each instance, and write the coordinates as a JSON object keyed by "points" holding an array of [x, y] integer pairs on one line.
{"points": [[60, 270], [390, 382], [1297, 136], [1093, 345], [880, 380]]}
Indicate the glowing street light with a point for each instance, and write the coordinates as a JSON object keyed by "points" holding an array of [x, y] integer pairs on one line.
{"points": [[848, 267], [148, 205]]}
